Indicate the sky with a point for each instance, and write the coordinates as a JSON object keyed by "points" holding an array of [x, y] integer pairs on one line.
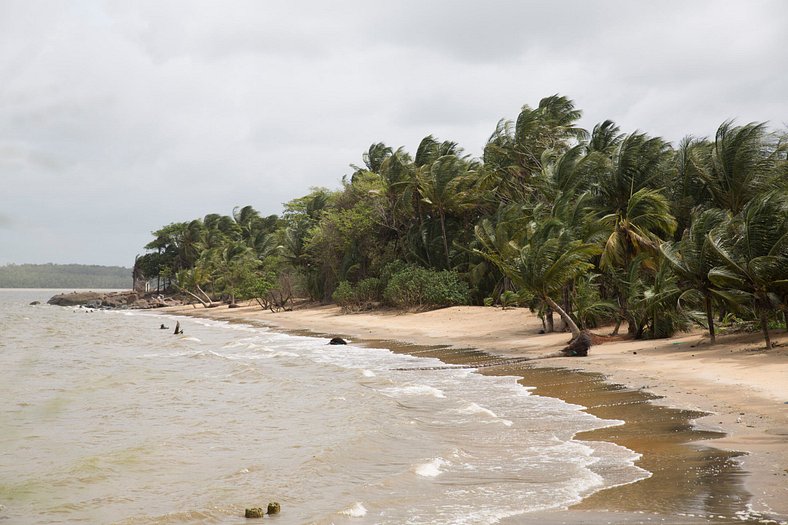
{"points": [[117, 118]]}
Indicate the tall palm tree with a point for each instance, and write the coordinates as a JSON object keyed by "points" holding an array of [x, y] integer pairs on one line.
{"points": [[441, 188], [692, 258], [738, 165], [637, 228], [753, 248]]}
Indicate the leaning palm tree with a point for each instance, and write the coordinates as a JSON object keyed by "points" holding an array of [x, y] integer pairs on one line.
{"points": [[753, 248], [546, 264]]}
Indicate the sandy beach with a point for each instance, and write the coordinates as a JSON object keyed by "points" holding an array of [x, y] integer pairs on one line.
{"points": [[741, 386]]}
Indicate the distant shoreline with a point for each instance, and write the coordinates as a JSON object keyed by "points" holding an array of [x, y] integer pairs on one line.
{"points": [[64, 276], [742, 388]]}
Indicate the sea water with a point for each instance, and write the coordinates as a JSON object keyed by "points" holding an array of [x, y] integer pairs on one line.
{"points": [[106, 418]]}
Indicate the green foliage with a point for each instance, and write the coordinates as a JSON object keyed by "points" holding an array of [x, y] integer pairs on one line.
{"points": [[415, 287], [508, 299], [597, 227], [365, 294], [344, 295]]}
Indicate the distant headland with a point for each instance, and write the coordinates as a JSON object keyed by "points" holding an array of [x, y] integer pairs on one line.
{"points": [[64, 276]]}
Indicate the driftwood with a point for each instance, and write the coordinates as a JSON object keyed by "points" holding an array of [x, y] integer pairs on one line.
{"points": [[178, 329], [578, 346]]}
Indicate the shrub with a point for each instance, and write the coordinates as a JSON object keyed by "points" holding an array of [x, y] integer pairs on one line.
{"points": [[508, 299], [343, 295], [415, 287], [367, 291], [363, 295]]}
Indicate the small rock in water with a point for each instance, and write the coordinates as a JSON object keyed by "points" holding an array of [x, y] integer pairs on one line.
{"points": [[255, 512], [35, 303], [337, 341], [274, 508]]}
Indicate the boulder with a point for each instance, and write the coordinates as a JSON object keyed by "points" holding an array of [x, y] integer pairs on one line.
{"points": [[274, 507], [255, 512], [337, 341]]}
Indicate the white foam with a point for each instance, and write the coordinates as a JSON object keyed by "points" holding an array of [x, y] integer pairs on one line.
{"points": [[191, 339], [357, 510], [430, 469], [473, 408], [415, 390], [368, 373]]}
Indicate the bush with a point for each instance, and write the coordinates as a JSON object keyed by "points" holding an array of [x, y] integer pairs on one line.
{"points": [[415, 287], [367, 291], [361, 296], [343, 295]]}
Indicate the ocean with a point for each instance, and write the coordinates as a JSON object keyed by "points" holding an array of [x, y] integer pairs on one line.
{"points": [[106, 418]]}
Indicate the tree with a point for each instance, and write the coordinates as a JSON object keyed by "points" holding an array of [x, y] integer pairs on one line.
{"points": [[693, 257], [546, 264], [738, 165], [441, 185], [753, 247]]}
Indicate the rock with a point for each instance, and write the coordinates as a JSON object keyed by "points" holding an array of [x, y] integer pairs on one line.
{"points": [[35, 303], [255, 512], [74, 298], [124, 299], [337, 341], [274, 508]]}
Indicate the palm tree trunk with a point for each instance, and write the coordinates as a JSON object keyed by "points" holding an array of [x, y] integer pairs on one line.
{"points": [[765, 329], [445, 242], [710, 319], [568, 320]]}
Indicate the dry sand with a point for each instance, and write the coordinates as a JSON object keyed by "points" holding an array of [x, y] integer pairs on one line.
{"points": [[743, 387]]}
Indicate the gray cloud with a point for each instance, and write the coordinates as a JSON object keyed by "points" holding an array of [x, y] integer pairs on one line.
{"points": [[117, 118]]}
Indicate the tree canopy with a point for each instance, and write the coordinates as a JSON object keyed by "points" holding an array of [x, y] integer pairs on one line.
{"points": [[598, 227]]}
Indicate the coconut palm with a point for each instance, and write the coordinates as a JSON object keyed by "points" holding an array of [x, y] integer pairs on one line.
{"points": [[738, 165], [637, 228], [753, 248], [693, 257], [441, 186], [546, 264]]}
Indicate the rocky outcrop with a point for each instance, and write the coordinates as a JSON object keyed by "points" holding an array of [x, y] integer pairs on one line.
{"points": [[114, 300]]}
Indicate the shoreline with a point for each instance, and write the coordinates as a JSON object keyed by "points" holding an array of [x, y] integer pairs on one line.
{"points": [[741, 389]]}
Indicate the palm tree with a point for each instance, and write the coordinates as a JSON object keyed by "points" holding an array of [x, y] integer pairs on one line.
{"points": [[546, 264], [441, 188], [637, 228], [692, 258], [753, 248], [513, 153], [738, 165]]}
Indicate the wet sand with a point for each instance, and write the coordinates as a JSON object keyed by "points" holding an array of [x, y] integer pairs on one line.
{"points": [[694, 480]]}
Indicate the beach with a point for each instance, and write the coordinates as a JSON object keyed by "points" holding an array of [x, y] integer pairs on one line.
{"points": [[731, 395]]}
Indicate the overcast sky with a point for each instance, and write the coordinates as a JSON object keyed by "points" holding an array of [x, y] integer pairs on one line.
{"points": [[117, 118]]}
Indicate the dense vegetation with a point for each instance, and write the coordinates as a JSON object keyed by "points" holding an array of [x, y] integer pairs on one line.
{"points": [[596, 227], [64, 276]]}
